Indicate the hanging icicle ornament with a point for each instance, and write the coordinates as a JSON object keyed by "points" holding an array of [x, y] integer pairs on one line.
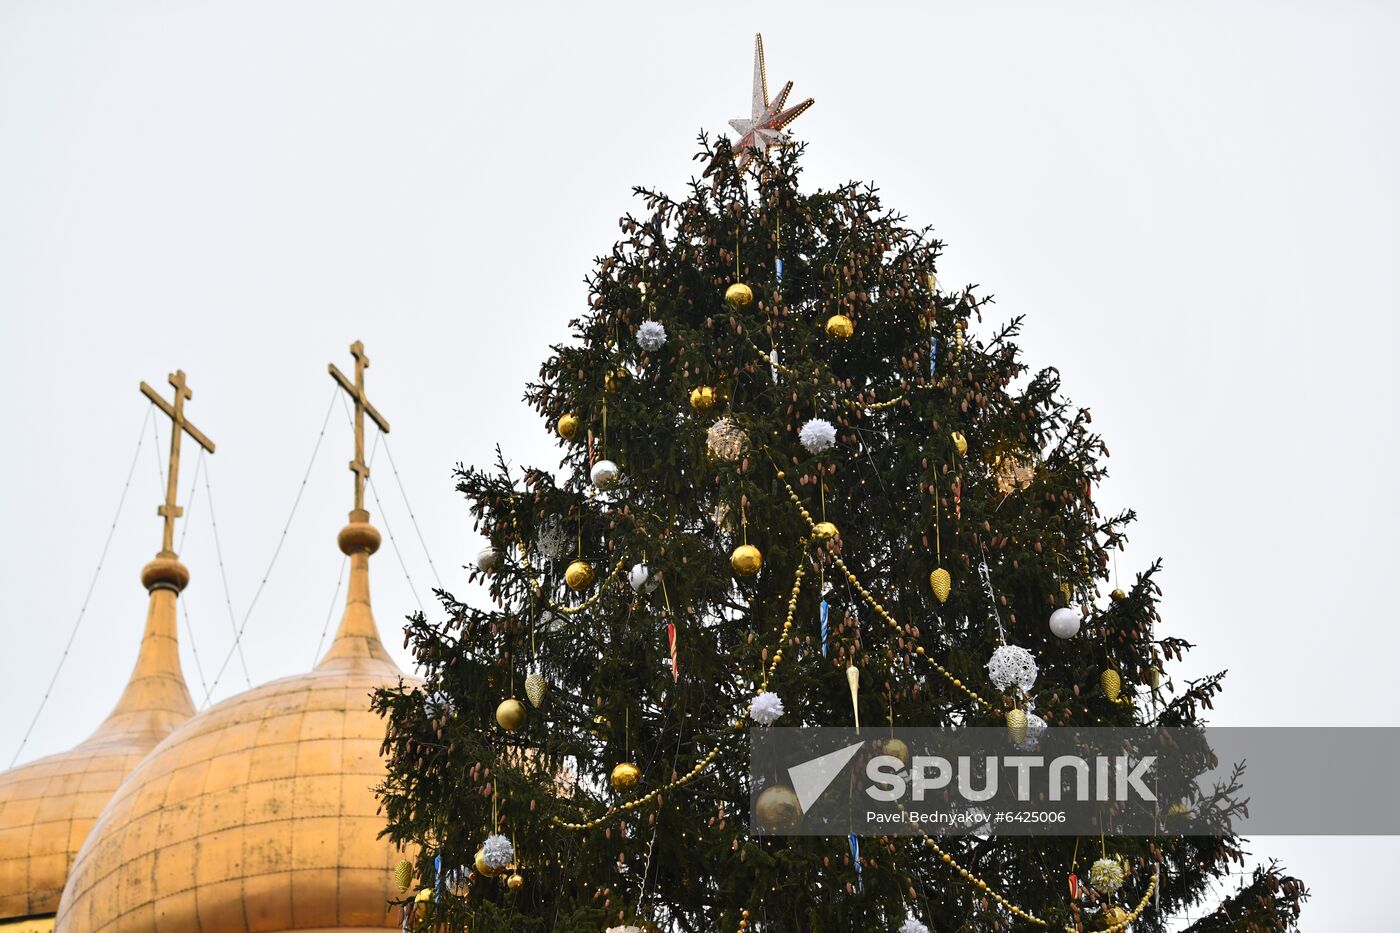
{"points": [[641, 580], [726, 440], [773, 364], [497, 852], [486, 559], [855, 860], [853, 681], [910, 925], [766, 709], [1106, 876], [651, 336], [1064, 622], [826, 624], [818, 435], [604, 474], [1010, 666]]}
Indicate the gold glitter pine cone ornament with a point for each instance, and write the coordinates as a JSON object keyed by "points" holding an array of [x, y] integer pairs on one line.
{"points": [[1016, 725], [511, 715], [738, 295], [942, 583], [403, 875], [746, 560], [536, 689], [1112, 684], [567, 426], [840, 328], [625, 777], [579, 575]]}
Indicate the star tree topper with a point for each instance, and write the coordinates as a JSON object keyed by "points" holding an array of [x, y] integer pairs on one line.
{"points": [[764, 129]]}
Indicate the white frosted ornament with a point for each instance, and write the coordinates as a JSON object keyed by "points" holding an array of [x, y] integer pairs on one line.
{"points": [[1064, 623], [767, 707], [604, 474], [486, 559], [1012, 665], [817, 435], [651, 336], [641, 579], [497, 851], [1106, 875], [910, 925]]}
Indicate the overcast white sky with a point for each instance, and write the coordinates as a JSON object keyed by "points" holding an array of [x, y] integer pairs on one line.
{"points": [[1196, 207]]}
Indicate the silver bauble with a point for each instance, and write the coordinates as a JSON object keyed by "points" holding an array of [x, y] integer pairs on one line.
{"points": [[641, 579], [1064, 623], [486, 559], [605, 474]]}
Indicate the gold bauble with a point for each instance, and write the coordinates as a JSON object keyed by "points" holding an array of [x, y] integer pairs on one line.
{"points": [[824, 531], [511, 714], [615, 377], [516, 881], [1115, 916], [738, 295], [403, 874], [1117, 595], [536, 689], [703, 398], [959, 443], [579, 575], [777, 808], [942, 583], [424, 896], [839, 327], [1016, 725], [625, 777], [1112, 684], [746, 560], [896, 748], [567, 426], [484, 868]]}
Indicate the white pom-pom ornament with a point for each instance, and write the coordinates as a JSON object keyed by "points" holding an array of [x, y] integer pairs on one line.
{"points": [[1010, 666], [1064, 623], [910, 925], [497, 851], [486, 559], [1106, 875], [604, 474], [651, 336], [641, 579], [817, 435], [767, 707]]}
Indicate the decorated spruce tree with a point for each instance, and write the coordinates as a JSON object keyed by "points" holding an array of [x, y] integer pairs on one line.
{"points": [[787, 454]]}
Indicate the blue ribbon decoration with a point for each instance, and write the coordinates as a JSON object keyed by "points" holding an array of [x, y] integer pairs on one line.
{"points": [[778, 262], [855, 860], [933, 357], [825, 626]]}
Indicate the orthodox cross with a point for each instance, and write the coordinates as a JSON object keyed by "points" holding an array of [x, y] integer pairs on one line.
{"points": [[178, 428], [362, 407]]}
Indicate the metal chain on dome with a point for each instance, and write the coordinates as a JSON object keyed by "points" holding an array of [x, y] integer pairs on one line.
{"points": [[82, 611]]}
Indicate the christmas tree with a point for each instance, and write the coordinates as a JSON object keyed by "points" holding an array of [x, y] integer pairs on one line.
{"points": [[788, 453]]}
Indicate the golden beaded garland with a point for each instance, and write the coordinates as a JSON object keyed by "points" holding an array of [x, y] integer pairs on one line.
{"points": [[567, 426], [625, 777], [746, 560], [510, 714], [579, 575], [839, 327], [738, 295]]}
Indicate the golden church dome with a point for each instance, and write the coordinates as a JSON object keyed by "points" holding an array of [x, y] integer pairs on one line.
{"points": [[259, 813], [48, 806]]}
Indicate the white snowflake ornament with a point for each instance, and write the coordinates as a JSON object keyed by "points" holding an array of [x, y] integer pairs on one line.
{"points": [[651, 336], [1010, 666], [817, 435], [497, 851]]}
